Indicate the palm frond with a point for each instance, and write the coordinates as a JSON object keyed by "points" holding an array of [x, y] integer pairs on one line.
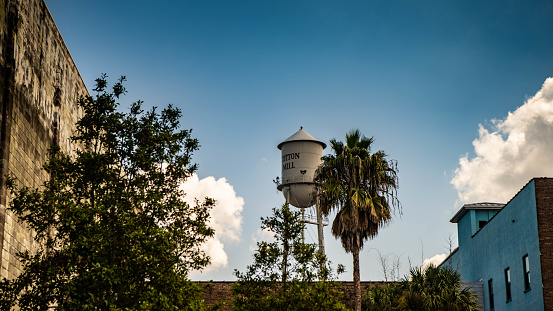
{"points": [[360, 186]]}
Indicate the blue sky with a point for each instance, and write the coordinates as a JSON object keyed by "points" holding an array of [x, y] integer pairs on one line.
{"points": [[419, 76]]}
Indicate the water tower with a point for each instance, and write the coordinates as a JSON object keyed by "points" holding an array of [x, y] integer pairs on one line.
{"points": [[301, 155]]}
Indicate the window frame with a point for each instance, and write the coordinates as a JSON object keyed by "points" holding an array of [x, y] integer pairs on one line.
{"points": [[481, 224], [508, 294], [526, 271], [490, 294]]}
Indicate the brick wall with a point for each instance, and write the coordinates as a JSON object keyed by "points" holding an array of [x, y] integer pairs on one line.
{"points": [[544, 209], [217, 291], [39, 85], [220, 291]]}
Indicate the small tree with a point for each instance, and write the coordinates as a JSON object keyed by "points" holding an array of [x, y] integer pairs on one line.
{"points": [[113, 229], [286, 274]]}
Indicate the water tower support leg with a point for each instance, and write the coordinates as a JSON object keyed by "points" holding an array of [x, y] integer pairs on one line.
{"points": [[320, 229], [303, 221]]}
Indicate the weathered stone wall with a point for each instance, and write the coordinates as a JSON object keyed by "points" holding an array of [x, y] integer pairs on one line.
{"points": [[39, 85]]}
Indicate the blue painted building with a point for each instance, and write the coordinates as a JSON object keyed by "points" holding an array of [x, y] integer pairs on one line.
{"points": [[509, 248]]}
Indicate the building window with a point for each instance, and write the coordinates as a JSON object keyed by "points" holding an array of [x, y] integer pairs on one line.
{"points": [[481, 224], [490, 292], [526, 269], [508, 284]]}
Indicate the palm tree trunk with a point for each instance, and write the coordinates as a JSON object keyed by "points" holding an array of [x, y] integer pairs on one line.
{"points": [[356, 279]]}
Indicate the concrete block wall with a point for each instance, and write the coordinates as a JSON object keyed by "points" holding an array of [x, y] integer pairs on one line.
{"points": [[39, 85]]}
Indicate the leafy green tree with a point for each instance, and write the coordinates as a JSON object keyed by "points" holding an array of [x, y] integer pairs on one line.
{"points": [[361, 187], [433, 289], [286, 274], [113, 230]]}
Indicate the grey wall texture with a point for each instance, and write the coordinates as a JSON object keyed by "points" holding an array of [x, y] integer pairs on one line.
{"points": [[39, 87]]}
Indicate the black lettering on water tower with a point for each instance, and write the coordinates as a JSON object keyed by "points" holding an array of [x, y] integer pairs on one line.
{"points": [[287, 166], [287, 162], [290, 156]]}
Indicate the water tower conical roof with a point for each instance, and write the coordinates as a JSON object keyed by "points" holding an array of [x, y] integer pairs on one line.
{"points": [[301, 135]]}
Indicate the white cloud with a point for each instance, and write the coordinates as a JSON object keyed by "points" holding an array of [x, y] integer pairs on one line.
{"points": [[226, 216], [516, 149], [262, 235], [434, 261]]}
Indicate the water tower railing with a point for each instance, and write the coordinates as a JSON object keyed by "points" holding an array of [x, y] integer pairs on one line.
{"points": [[312, 219], [299, 179]]}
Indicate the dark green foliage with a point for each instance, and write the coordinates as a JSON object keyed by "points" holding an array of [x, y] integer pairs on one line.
{"points": [[113, 229], [433, 289], [360, 186], [286, 274], [382, 298]]}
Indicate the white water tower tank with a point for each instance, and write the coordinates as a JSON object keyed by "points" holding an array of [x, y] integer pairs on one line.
{"points": [[301, 155]]}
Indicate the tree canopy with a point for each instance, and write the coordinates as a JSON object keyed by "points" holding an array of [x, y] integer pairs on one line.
{"points": [[113, 230]]}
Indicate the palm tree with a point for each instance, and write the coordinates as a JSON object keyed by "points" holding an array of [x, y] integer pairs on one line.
{"points": [[361, 188]]}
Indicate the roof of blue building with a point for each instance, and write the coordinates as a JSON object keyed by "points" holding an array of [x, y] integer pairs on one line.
{"points": [[475, 206]]}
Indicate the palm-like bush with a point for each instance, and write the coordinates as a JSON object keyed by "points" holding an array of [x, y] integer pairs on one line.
{"points": [[432, 289], [436, 289], [383, 298]]}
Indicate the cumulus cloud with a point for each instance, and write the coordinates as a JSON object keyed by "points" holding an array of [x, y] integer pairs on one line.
{"points": [[226, 216], [264, 234], [509, 154], [433, 261]]}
